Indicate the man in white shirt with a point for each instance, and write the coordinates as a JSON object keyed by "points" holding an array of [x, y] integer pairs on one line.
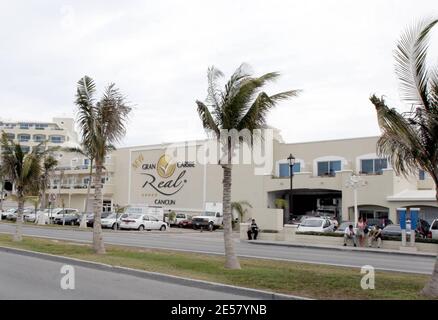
{"points": [[349, 234]]}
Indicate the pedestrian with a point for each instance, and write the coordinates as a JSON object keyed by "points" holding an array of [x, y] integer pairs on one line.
{"points": [[253, 230], [375, 235], [349, 234], [361, 226]]}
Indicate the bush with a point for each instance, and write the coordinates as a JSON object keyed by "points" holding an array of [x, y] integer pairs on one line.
{"points": [[388, 238], [268, 231]]}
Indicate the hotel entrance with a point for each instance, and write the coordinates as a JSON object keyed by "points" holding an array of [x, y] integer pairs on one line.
{"points": [[308, 202]]}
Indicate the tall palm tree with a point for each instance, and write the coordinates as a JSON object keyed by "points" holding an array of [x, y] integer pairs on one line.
{"points": [[102, 124], [49, 164], [86, 152], [240, 105], [23, 170], [410, 139]]}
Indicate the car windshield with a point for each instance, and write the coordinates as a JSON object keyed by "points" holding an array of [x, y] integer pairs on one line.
{"points": [[111, 216], [134, 216], [312, 223]]}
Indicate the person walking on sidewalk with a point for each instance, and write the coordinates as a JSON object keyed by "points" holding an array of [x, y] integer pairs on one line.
{"points": [[349, 234]]}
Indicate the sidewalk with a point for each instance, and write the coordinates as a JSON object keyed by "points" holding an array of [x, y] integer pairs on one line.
{"points": [[340, 248]]}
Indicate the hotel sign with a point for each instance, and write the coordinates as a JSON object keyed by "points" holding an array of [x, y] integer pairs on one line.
{"points": [[161, 180]]}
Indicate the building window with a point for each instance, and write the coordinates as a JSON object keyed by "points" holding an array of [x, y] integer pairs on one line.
{"points": [[86, 162], [57, 139], [373, 166], [39, 137], [283, 169], [23, 137], [40, 126], [24, 126], [25, 149], [11, 136], [328, 168], [422, 175]]}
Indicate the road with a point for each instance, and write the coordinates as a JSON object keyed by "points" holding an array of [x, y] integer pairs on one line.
{"points": [[23, 277], [212, 243]]}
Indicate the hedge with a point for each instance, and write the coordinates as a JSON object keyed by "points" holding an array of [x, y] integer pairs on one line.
{"points": [[389, 238]]}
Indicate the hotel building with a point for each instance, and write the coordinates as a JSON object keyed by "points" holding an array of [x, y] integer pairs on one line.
{"points": [[146, 175]]}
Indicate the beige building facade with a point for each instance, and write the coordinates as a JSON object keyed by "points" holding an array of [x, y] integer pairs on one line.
{"points": [[158, 175]]}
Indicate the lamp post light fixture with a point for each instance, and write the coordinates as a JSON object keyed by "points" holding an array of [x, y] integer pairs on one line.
{"points": [[291, 160], [355, 182]]}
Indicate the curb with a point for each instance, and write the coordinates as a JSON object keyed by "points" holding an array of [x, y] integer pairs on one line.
{"points": [[201, 284], [351, 249]]}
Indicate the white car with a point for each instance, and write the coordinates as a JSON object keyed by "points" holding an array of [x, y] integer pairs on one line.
{"points": [[316, 225], [142, 222], [57, 212], [434, 229], [113, 221]]}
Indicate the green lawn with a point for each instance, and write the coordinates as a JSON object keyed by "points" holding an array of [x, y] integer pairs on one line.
{"points": [[309, 280]]}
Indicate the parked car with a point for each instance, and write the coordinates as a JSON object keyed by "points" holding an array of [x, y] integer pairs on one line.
{"points": [[57, 212], [209, 220], [12, 213], [185, 224], [344, 225], [113, 221], [90, 217], [382, 223], [70, 219], [433, 231], [9, 213], [394, 230], [181, 217], [316, 225], [142, 222]]}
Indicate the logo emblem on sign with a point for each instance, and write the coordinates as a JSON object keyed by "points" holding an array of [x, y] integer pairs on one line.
{"points": [[165, 166]]}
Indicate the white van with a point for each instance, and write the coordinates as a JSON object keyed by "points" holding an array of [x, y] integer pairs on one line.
{"points": [[434, 229]]}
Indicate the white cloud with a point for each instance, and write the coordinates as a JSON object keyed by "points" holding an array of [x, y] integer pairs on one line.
{"points": [[338, 52]]}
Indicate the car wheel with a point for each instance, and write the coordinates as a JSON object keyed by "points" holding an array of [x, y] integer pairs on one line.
{"points": [[115, 226], [141, 228], [72, 223], [163, 228]]}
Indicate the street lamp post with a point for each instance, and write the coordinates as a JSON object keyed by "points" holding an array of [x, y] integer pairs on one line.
{"points": [[355, 182], [291, 159]]}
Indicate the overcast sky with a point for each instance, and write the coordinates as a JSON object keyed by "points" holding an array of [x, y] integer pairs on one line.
{"points": [[157, 53]]}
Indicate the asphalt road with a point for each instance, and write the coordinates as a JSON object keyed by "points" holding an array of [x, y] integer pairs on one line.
{"points": [[23, 277], [212, 242]]}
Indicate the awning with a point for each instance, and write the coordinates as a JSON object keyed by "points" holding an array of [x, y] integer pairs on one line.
{"points": [[413, 195]]}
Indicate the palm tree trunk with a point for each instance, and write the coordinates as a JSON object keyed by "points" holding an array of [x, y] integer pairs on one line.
{"points": [[231, 261], [98, 244], [18, 224], [83, 223], [431, 288]]}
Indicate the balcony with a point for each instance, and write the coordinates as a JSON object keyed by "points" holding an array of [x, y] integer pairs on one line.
{"points": [[79, 189], [303, 180]]}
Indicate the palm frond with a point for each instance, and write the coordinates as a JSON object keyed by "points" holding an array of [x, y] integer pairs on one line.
{"points": [[410, 57]]}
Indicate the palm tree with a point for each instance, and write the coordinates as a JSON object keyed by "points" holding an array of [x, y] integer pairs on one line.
{"points": [[49, 164], [22, 169], [241, 105], [86, 152], [410, 139], [102, 124], [241, 207]]}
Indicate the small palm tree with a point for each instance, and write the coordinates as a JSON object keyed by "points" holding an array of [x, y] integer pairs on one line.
{"points": [[102, 124], [410, 140], [23, 170], [241, 105], [88, 153], [241, 207]]}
